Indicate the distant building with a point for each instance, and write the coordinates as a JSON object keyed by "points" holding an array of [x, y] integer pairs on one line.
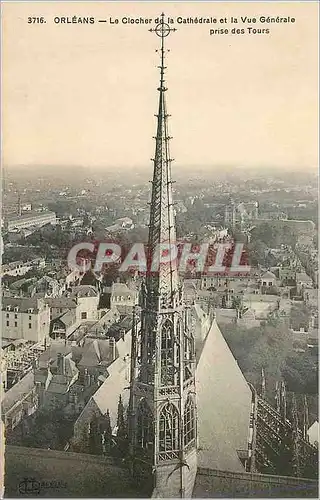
{"points": [[62, 326], [268, 279], [55, 384], [25, 318], [60, 305], [125, 223], [303, 281], [69, 374], [123, 298], [87, 298], [30, 219], [20, 268]]}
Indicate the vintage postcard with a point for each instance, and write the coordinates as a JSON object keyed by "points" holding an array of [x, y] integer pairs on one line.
{"points": [[159, 249]]}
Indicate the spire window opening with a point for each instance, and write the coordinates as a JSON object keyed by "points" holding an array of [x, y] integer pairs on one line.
{"points": [[169, 356], [188, 357], [189, 421], [169, 428]]}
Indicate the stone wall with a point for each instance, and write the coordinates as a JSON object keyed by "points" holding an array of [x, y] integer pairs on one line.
{"points": [[220, 484]]}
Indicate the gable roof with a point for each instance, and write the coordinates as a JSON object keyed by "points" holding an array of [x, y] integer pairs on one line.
{"points": [[268, 275], [82, 291], [22, 303], [96, 352], [61, 302], [224, 405], [17, 392]]}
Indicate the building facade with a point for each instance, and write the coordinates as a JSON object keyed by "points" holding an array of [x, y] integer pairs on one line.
{"points": [[25, 318], [30, 219]]}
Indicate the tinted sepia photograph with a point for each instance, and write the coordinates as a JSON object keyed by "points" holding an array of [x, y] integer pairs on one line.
{"points": [[159, 249]]}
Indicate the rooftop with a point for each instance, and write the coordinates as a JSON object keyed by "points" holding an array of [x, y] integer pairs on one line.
{"points": [[17, 392], [22, 303]]}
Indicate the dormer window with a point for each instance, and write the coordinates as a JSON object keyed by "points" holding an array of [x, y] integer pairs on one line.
{"points": [[8, 308], [30, 310], [16, 309]]}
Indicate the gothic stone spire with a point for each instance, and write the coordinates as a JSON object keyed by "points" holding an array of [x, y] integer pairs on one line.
{"points": [[162, 391], [162, 280]]}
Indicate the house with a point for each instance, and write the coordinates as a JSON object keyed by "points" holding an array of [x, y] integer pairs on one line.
{"points": [[87, 298], [303, 281], [25, 318], [63, 325], [123, 298], [19, 402], [125, 223], [30, 219], [55, 384], [61, 305], [107, 396], [46, 287], [261, 305], [20, 268], [268, 279]]}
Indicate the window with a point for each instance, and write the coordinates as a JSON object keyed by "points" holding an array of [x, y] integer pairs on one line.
{"points": [[188, 356], [15, 323], [8, 324], [189, 421], [15, 316], [169, 428], [270, 283], [83, 315], [169, 354], [7, 315], [30, 317], [30, 326]]}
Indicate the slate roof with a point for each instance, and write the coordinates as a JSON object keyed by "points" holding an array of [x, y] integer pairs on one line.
{"points": [[61, 302], [122, 289], [224, 404], [96, 352], [68, 318], [268, 275], [22, 303], [59, 347], [17, 392], [82, 291]]}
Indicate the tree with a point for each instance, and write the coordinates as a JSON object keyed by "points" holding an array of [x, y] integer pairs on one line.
{"points": [[122, 432], [107, 432], [95, 441]]}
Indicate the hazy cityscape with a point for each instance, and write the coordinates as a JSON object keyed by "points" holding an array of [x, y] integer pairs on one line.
{"points": [[55, 317], [160, 320]]}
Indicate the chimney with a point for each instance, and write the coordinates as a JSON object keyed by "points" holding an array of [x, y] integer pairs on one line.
{"points": [[60, 364], [112, 345]]}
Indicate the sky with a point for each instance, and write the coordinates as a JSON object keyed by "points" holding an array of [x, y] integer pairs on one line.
{"points": [[76, 94]]}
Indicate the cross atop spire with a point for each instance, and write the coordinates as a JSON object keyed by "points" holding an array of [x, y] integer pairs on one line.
{"points": [[162, 30]]}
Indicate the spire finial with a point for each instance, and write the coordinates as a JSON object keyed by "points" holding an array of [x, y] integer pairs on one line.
{"points": [[162, 30]]}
